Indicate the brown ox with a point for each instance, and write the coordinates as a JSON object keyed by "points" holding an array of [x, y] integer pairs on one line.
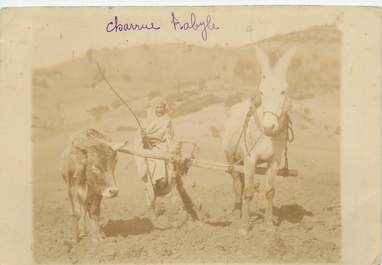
{"points": [[87, 166]]}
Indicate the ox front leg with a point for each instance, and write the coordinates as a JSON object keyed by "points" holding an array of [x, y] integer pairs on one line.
{"points": [[249, 191], [270, 192], [81, 195], [76, 213], [94, 209]]}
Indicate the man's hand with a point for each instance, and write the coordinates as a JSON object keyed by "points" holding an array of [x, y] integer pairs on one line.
{"points": [[146, 140]]}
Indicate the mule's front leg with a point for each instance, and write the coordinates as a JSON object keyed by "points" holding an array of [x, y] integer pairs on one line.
{"points": [[249, 191], [270, 191], [238, 184]]}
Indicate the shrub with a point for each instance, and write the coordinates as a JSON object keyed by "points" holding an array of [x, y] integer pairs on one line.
{"points": [[197, 104], [97, 111]]}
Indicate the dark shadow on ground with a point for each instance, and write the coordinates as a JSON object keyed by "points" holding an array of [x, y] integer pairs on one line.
{"points": [[218, 223], [134, 226], [293, 213]]}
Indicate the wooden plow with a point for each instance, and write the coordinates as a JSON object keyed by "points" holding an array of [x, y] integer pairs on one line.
{"points": [[285, 172]]}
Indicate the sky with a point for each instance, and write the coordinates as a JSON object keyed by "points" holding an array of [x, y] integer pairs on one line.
{"points": [[56, 34]]}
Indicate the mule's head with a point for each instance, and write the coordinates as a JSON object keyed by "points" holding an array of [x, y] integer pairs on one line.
{"points": [[101, 163], [273, 88]]}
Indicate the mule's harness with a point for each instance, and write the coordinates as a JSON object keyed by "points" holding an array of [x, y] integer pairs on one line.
{"points": [[243, 134], [291, 135]]}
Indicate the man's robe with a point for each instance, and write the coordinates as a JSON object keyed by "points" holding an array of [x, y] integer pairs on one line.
{"points": [[160, 132]]}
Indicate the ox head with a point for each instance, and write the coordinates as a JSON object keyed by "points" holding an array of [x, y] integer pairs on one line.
{"points": [[273, 88], [101, 163]]}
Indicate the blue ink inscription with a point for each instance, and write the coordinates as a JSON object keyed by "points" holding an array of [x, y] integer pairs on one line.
{"points": [[116, 26], [192, 24]]}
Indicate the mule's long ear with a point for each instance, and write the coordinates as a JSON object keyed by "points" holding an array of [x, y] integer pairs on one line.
{"points": [[263, 60], [283, 64]]}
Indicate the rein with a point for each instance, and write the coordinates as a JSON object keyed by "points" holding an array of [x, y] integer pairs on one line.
{"points": [[243, 133], [289, 140]]}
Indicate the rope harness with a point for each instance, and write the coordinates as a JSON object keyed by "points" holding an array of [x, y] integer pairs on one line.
{"points": [[290, 138], [243, 134]]}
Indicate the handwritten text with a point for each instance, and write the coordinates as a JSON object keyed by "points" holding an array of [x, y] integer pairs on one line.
{"points": [[116, 26], [193, 24]]}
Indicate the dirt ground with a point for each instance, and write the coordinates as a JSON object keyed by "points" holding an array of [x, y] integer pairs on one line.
{"points": [[307, 207]]}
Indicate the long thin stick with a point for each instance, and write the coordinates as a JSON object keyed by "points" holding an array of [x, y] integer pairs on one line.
{"points": [[205, 164], [120, 98]]}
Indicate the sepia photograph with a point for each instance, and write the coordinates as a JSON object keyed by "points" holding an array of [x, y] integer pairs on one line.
{"points": [[188, 135]]}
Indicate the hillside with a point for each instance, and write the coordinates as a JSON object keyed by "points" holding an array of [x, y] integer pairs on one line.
{"points": [[70, 93]]}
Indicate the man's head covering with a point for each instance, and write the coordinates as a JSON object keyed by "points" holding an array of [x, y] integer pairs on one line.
{"points": [[157, 101]]}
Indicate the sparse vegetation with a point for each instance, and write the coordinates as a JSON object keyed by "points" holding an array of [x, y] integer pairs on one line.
{"points": [[215, 132], [315, 70], [97, 111], [180, 96], [197, 104], [232, 99], [125, 128], [245, 70], [116, 104], [154, 93]]}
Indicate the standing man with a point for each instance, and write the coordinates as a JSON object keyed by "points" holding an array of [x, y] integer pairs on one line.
{"points": [[156, 135]]}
